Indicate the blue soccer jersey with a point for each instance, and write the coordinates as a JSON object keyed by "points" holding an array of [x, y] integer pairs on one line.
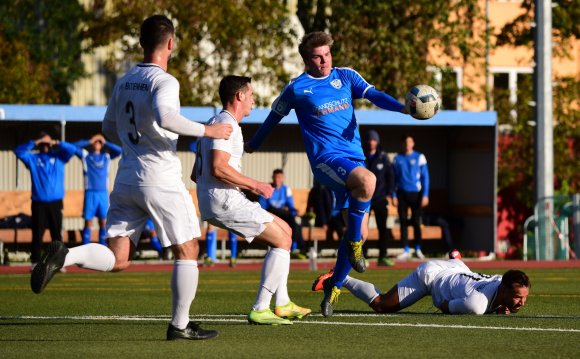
{"points": [[96, 165], [411, 173], [324, 107]]}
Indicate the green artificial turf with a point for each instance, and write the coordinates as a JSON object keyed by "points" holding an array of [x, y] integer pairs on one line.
{"points": [[75, 317]]}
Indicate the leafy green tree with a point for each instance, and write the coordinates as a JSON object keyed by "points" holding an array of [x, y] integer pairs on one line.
{"points": [[214, 38], [388, 41], [43, 44]]}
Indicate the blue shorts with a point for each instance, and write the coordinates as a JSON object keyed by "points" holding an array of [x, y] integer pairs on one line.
{"points": [[333, 172], [96, 205]]}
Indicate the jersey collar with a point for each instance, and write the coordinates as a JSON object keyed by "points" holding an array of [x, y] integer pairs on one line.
{"points": [[320, 78]]}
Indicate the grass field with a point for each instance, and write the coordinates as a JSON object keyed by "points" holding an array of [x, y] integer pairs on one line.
{"points": [[126, 314]]}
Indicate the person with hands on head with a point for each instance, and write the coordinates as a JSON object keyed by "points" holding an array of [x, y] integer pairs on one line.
{"points": [[96, 165], [46, 168]]}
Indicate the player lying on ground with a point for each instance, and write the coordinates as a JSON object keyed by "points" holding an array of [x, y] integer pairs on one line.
{"points": [[217, 172], [454, 288]]}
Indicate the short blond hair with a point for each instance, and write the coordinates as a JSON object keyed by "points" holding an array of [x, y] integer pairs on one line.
{"points": [[313, 40]]}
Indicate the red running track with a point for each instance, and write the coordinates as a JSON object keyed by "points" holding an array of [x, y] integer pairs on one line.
{"points": [[325, 264]]}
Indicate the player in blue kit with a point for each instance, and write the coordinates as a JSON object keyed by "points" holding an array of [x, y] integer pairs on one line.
{"points": [[323, 100], [96, 165]]}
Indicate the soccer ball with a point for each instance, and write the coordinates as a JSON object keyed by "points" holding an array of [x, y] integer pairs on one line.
{"points": [[422, 102]]}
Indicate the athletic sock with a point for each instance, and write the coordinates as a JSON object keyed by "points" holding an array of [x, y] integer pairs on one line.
{"points": [[102, 234], [406, 248], [283, 265], [342, 266], [86, 234], [276, 264], [91, 256], [356, 214], [364, 291], [211, 245], [233, 239], [155, 244], [183, 287], [418, 247], [294, 246]]}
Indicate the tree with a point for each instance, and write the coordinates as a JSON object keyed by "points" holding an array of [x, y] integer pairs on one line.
{"points": [[41, 49], [388, 42], [214, 38]]}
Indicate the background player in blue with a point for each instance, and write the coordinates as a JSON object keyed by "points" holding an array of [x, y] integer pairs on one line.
{"points": [[411, 191], [47, 176], [323, 100], [96, 165]]}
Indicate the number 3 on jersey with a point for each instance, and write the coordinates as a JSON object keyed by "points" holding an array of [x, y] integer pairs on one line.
{"points": [[130, 110]]}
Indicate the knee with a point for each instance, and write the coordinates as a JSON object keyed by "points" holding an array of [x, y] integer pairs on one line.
{"points": [[368, 182]]}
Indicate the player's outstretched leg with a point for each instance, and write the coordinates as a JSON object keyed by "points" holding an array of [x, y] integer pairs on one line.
{"points": [[50, 264], [354, 248]]}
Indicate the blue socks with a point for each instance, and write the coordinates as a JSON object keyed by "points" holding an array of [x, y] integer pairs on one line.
{"points": [[356, 213], [211, 245], [233, 240], [102, 233], [86, 234], [156, 244]]}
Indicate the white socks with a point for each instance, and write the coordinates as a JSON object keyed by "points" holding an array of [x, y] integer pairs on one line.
{"points": [[274, 279], [183, 288], [364, 291], [91, 256]]}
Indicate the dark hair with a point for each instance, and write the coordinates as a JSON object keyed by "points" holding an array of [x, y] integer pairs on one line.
{"points": [[154, 32], [514, 276], [405, 136], [313, 40], [231, 85], [277, 171]]}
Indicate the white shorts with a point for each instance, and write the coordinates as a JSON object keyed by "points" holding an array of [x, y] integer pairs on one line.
{"points": [[241, 216], [418, 284], [170, 207]]}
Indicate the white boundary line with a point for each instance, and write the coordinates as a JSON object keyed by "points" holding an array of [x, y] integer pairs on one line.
{"points": [[237, 318]]}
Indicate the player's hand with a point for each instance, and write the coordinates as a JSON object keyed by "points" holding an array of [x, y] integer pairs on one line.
{"points": [[43, 139], [219, 130], [424, 201], [503, 310], [248, 148], [405, 110], [264, 189]]}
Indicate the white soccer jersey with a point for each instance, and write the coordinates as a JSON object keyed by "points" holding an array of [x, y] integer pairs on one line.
{"points": [[149, 151], [467, 292], [214, 195]]}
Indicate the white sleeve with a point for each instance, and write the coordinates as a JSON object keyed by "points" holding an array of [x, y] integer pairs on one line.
{"points": [[223, 144], [475, 303], [166, 108], [109, 125]]}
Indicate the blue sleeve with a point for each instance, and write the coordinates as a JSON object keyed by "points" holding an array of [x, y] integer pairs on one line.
{"points": [[193, 146], [271, 121], [23, 153], [66, 151], [358, 85], [425, 180], [114, 150], [80, 144], [263, 202], [384, 101]]}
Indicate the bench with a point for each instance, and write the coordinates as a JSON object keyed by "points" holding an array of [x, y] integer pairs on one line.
{"points": [[15, 202]]}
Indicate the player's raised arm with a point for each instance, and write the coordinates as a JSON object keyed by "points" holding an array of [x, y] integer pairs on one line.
{"points": [[271, 121], [384, 101]]}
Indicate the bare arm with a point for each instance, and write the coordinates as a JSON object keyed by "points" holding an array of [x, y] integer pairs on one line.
{"points": [[221, 169]]}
